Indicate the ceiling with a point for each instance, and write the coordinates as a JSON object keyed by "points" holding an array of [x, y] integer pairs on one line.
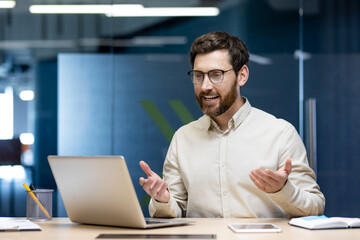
{"points": [[26, 38]]}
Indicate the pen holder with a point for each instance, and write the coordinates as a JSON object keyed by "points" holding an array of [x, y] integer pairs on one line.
{"points": [[39, 204]]}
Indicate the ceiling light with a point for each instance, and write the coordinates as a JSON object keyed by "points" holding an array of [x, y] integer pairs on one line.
{"points": [[301, 54], [27, 138], [13, 44], [260, 59], [26, 95], [7, 4], [144, 41], [169, 12], [84, 9], [125, 10]]}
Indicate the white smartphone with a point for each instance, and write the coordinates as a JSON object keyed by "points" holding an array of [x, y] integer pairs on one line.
{"points": [[253, 227]]}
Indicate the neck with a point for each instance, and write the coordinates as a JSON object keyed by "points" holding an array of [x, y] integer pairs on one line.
{"points": [[223, 120]]}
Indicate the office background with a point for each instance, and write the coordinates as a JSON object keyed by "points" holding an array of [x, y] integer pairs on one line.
{"points": [[118, 85]]}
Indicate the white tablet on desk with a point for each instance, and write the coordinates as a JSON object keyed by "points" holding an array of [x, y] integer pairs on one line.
{"points": [[253, 227]]}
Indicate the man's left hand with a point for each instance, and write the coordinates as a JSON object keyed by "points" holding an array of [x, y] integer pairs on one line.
{"points": [[270, 181]]}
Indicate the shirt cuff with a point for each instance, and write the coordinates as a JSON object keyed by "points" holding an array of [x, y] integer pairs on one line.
{"points": [[158, 209], [284, 196]]}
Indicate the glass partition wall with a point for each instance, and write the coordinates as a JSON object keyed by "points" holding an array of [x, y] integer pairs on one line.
{"points": [[331, 49], [29, 45], [113, 81]]}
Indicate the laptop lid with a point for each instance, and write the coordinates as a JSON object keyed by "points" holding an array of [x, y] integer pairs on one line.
{"points": [[98, 190]]}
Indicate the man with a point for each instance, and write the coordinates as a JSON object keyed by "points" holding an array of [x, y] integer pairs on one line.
{"points": [[236, 160]]}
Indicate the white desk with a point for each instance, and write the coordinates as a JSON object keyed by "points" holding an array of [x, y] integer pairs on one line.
{"points": [[63, 229]]}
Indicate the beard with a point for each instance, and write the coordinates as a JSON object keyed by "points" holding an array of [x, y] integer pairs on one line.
{"points": [[225, 102]]}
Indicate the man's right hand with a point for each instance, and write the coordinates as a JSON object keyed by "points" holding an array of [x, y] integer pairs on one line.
{"points": [[154, 185]]}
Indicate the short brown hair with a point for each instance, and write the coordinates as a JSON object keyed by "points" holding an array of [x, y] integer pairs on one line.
{"points": [[239, 55]]}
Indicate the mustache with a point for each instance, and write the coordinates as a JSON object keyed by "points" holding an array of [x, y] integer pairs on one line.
{"points": [[208, 93]]}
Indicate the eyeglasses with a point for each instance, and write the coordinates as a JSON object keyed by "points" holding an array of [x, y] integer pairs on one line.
{"points": [[216, 76]]}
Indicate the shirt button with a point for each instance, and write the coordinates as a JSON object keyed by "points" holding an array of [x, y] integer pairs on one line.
{"points": [[224, 193], [223, 164]]}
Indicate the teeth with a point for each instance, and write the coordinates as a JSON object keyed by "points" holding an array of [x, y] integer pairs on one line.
{"points": [[210, 97]]}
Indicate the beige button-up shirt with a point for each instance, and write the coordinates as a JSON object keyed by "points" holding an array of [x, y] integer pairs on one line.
{"points": [[208, 170]]}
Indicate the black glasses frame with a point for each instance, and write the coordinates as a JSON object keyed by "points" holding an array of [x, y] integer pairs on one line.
{"points": [[209, 75]]}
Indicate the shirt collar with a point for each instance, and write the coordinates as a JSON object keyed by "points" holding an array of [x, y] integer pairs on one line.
{"points": [[236, 120], [242, 113]]}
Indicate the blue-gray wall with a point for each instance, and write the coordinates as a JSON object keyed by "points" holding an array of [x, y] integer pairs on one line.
{"points": [[130, 105]]}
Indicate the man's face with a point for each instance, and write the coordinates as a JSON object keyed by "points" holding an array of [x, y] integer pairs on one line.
{"points": [[215, 100]]}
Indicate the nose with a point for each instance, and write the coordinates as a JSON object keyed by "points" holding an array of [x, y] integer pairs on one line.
{"points": [[206, 84]]}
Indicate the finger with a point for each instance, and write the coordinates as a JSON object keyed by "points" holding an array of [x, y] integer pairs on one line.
{"points": [[259, 176], [162, 195], [147, 170], [155, 187], [163, 188], [267, 176], [142, 181], [256, 182], [154, 183], [146, 185], [275, 177]]}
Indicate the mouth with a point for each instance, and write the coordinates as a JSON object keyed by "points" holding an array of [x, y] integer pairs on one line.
{"points": [[210, 98]]}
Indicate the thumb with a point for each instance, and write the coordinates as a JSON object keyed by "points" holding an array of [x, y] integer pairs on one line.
{"points": [[146, 168], [287, 167]]}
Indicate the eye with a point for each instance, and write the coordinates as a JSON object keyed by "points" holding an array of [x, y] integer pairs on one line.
{"points": [[216, 74], [197, 74]]}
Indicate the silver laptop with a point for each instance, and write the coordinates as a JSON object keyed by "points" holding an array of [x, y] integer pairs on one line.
{"points": [[98, 190]]}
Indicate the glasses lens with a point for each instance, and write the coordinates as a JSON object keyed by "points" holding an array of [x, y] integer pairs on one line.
{"points": [[216, 76], [197, 77]]}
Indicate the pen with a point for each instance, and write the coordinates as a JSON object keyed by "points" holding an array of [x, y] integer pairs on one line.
{"points": [[36, 200], [32, 187]]}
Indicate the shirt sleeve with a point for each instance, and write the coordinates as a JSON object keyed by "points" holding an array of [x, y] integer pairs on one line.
{"points": [[168, 210], [301, 194], [176, 207]]}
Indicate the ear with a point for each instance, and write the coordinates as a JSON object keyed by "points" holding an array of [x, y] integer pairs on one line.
{"points": [[243, 76]]}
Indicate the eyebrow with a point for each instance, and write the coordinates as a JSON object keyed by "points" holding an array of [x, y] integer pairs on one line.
{"points": [[209, 70]]}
